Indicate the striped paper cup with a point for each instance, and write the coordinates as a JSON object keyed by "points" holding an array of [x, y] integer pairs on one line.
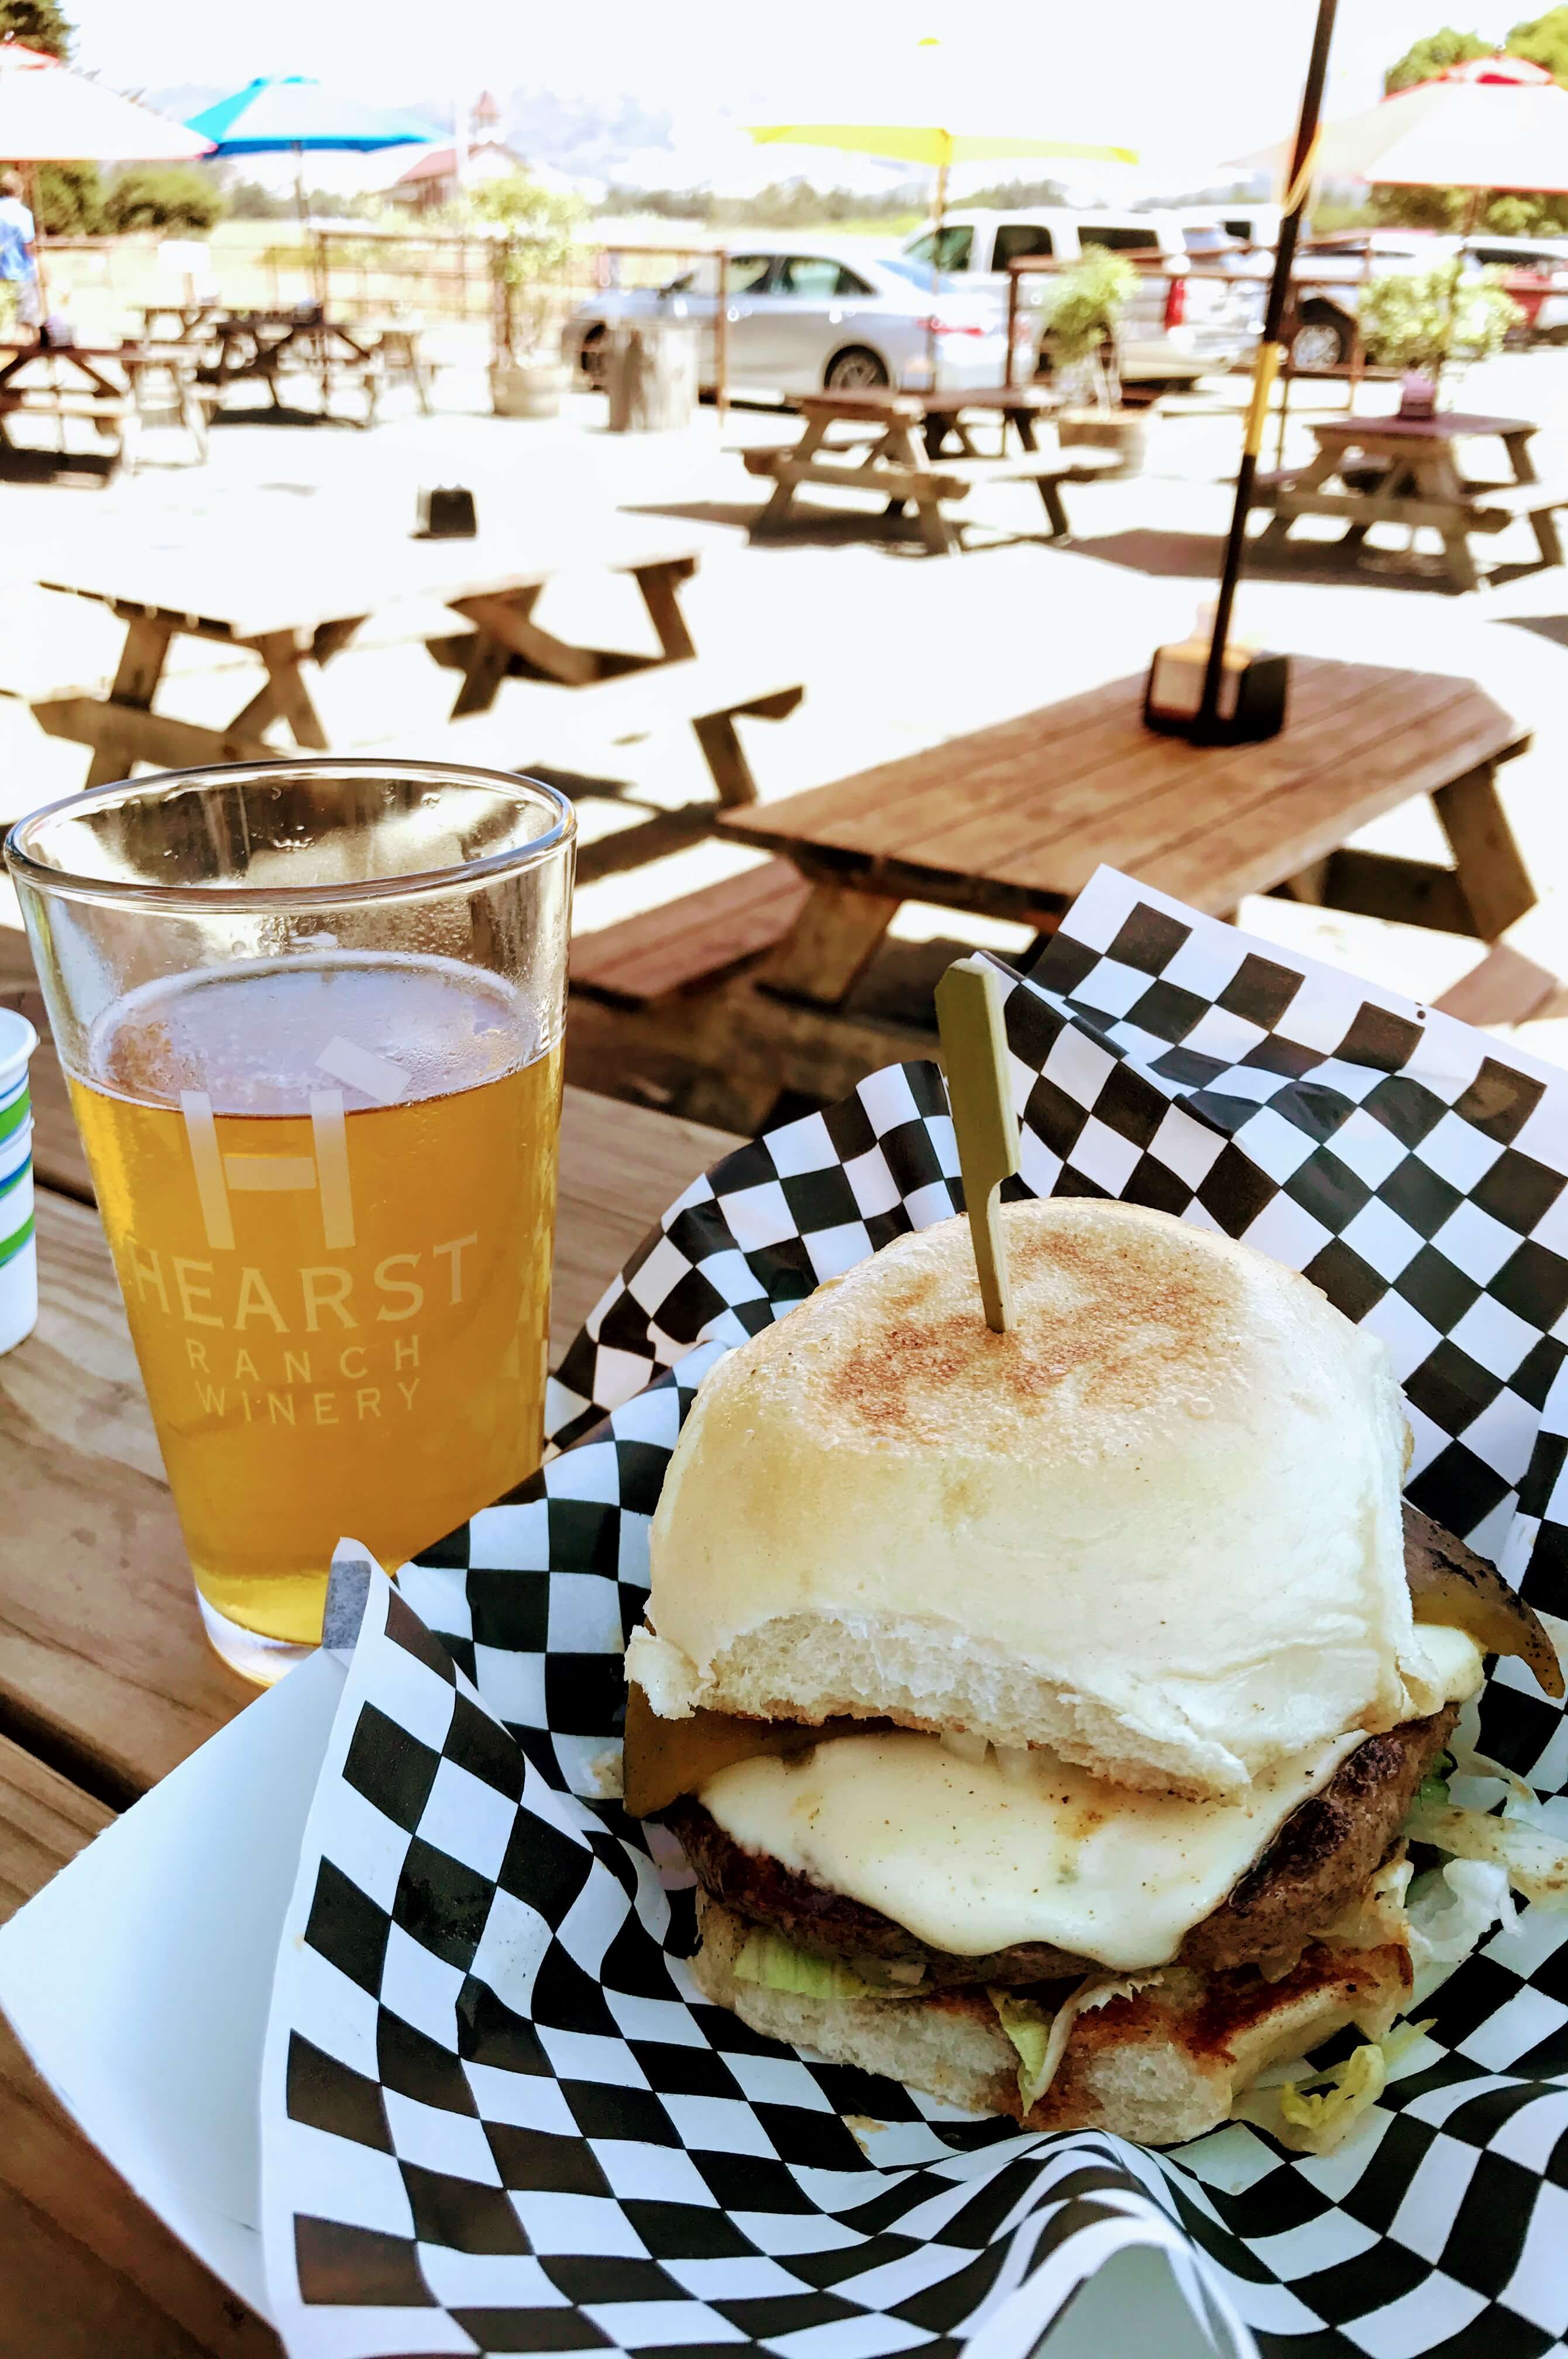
{"points": [[18, 1253]]}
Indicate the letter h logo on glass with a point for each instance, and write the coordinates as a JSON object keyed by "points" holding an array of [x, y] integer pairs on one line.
{"points": [[325, 1174]]}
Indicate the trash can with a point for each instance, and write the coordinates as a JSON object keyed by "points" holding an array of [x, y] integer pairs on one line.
{"points": [[651, 376]]}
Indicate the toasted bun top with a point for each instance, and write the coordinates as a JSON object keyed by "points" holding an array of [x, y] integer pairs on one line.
{"points": [[1156, 1524]]}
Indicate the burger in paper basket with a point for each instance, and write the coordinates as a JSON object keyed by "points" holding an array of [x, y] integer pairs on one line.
{"points": [[1055, 1719]]}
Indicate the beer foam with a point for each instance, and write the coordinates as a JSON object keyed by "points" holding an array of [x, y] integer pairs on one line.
{"points": [[253, 1037]]}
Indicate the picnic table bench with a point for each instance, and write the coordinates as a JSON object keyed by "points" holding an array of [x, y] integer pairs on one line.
{"points": [[116, 389], [1011, 822], [294, 616], [897, 450], [106, 1682], [1407, 471]]}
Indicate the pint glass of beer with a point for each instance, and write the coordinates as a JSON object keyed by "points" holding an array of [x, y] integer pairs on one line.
{"points": [[311, 1014]]}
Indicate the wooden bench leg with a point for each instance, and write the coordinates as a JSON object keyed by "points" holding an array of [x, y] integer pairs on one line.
{"points": [[726, 757], [830, 946], [1461, 564], [1492, 879], [1545, 524], [660, 584], [1050, 495], [135, 683]]}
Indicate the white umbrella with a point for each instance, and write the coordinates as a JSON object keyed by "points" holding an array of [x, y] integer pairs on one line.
{"points": [[1490, 122], [51, 116]]}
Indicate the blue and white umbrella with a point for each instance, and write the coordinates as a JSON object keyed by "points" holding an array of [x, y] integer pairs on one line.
{"points": [[283, 113]]}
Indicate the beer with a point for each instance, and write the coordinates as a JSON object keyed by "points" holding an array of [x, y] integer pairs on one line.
{"points": [[330, 1190]]}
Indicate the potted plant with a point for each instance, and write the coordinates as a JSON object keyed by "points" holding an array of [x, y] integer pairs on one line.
{"points": [[527, 376], [1082, 340], [1427, 321]]}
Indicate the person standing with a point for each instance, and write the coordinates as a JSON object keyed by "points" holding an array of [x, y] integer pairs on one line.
{"points": [[18, 252]]}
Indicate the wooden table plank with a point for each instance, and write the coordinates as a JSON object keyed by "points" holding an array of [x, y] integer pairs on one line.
{"points": [[1090, 777], [1209, 789], [239, 593], [1015, 819], [85, 2270]]}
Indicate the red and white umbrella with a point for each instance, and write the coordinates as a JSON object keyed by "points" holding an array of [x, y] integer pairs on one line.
{"points": [[1491, 123], [51, 116]]}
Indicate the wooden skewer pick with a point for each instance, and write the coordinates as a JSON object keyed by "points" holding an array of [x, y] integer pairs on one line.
{"points": [[974, 1058]]}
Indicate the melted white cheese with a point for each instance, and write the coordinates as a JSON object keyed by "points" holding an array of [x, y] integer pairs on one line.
{"points": [[972, 1856], [1452, 1666]]}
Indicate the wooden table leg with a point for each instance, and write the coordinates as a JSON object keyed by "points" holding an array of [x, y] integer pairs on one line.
{"points": [[484, 669], [1516, 445], [1023, 423], [280, 652], [135, 683], [939, 533], [830, 946], [660, 586], [507, 622], [782, 497], [1492, 876]]}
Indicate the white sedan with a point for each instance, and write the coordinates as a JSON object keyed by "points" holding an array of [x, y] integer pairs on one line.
{"points": [[811, 315]]}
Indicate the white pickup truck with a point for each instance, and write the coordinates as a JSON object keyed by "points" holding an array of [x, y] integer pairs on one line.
{"points": [[1180, 325]]}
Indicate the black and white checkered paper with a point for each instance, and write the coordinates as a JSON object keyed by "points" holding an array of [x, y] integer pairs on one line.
{"points": [[496, 2114]]}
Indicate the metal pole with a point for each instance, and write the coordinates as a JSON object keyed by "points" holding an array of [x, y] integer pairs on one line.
{"points": [[941, 211], [1268, 355]]}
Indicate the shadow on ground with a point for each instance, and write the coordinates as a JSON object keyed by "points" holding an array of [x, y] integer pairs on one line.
{"points": [[1545, 626], [1196, 556], [812, 528]]}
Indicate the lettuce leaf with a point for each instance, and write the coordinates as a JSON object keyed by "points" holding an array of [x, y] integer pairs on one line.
{"points": [[1032, 2029], [1535, 1863], [774, 1964], [1432, 1794], [1041, 2036]]}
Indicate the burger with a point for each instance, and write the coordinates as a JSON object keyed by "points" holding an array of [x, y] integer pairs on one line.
{"points": [[1039, 1712]]}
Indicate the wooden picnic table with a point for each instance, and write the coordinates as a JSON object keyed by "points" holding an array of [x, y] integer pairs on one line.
{"points": [[896, 451], [264, 347], [116, 389], [1407, 471], [1012, 822], [106, 1682], [294, 612]]}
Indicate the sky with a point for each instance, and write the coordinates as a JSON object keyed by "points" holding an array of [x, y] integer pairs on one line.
{"points": [[1209, 78]]}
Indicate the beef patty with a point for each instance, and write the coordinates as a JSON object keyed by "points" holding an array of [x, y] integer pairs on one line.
{"points": [[1317, 1865]]}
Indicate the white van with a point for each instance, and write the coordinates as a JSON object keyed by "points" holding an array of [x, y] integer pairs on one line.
{"points": [[1178, 327]]}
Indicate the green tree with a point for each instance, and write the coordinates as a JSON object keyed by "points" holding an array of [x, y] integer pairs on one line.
{"points": [[38, 24], [71, 199], [162, 196], [1544, 41], [1430, 55]]}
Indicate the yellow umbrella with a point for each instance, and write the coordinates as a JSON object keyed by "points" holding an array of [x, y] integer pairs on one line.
{"points": [[937, 106]]}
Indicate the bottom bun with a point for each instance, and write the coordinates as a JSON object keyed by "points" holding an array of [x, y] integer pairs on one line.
{"points": [[1161, 2066]]}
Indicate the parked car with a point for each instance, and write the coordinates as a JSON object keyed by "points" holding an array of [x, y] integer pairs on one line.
{"points": [[809, 313], [1251, 224], [1178, 327], [1537, 279]]}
